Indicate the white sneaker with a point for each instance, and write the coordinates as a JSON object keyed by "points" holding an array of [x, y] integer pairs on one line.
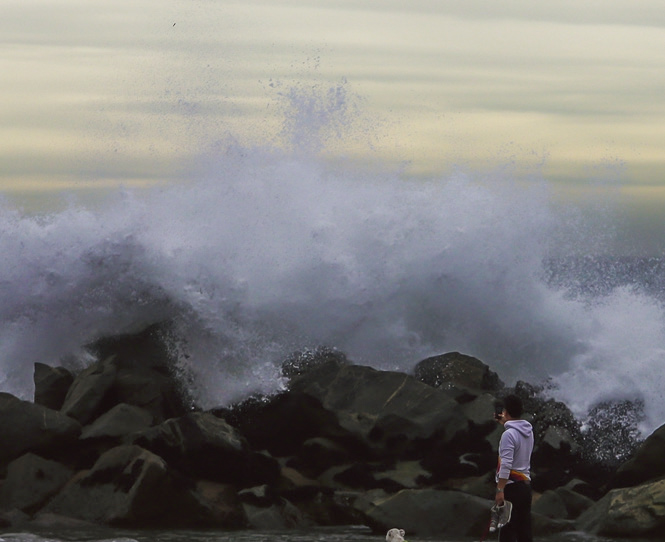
{"points": [[500, 515]]}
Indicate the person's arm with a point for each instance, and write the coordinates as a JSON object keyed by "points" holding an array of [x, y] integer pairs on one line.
{"points": [[501, 484], [506, 453]]}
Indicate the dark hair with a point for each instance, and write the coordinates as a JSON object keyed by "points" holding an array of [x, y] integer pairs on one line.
{"points": [[513, 406]]}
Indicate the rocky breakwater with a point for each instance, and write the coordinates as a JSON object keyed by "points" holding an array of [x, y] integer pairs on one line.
{"points": [[122, 444]]}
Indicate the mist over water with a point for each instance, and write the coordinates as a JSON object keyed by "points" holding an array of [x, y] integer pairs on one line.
{"points": [[259, 252]]}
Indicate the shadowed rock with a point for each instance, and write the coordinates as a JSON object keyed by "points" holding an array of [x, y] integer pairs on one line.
{"points": [[122, 419], [647, 464], [203, 445], [127, 486], [429, 512], [86, 395], [455, 369], [30, 481], [26, 427], [629, 512], [51, 385]]}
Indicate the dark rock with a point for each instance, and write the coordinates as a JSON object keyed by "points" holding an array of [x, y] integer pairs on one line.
{"points": [[86, 395], [51, 385], [219, 506], [429, 512], [546, 526], [551, 505], [146, 372], [404, 475], [14, 518], [26, 427], [575, 502], [30, 481], [646, 464], [47, 521], [628, 512], [127, 486], [455, 369], [204, 446], [116, 488], [302, 361], [318, 454], [283, 515], [123, 419], [385, 408], [282, 424]]}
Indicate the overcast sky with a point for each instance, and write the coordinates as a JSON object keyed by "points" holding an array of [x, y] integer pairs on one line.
{"points": [[100, 92]]}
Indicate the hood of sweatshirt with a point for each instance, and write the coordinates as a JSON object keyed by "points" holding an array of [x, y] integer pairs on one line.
{"points": [[522, 426]]}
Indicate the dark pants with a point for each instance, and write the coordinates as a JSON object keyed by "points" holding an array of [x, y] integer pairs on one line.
{"points": [[519, 527]]}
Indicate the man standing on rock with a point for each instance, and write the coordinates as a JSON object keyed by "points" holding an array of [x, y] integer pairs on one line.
{"points": [[513, 473]]}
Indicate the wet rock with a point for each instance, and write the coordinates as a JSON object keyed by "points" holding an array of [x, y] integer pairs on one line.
{"points": [[628, 512], [551, 505], [283, 515], [51, 385], [455, 369], [26, 427], [575, 502], [86, 395], [204, 446], [429, 512], [122, 419], [31, 480], [127, 486], [302, 361], [646, 464], [385, 408], [283, 423], [146, 372], [218, 506]]}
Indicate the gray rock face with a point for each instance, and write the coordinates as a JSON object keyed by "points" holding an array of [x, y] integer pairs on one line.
{"points": [[629, 512], [429, 512], [383, 403], [26, 427], [127, 485], [51, 385], [205, 446], [122, 419], [30, 481], [457, 370], [647, 464], [88, 391]]}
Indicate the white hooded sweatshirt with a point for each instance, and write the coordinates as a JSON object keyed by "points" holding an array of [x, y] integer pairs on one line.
{"points": [[515, 449]]}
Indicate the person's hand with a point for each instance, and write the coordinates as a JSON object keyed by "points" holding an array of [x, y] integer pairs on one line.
{"points": [[498, 498]]}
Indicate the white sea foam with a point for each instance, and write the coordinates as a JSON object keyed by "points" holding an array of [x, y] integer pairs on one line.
{"points": [[263, 251]]}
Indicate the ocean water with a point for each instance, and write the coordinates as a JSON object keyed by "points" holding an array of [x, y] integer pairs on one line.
{"points": [[260, 251]]}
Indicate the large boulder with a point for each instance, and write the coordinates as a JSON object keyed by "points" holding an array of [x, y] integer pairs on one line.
{"points": [[86, 395], [385, 408], [428, 513], [121, 420], [628, 512], [51, 385], [26, 427], [127, 486], [646, 464], [460, 370], [283, 422], [30, 481], [205, 446], [146, 374]]}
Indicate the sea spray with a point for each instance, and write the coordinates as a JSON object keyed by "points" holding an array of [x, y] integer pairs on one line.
{"points": [[262, 251]]}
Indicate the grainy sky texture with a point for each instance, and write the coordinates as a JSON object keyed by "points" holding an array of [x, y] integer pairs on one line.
{"points": [[97, 93]]}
